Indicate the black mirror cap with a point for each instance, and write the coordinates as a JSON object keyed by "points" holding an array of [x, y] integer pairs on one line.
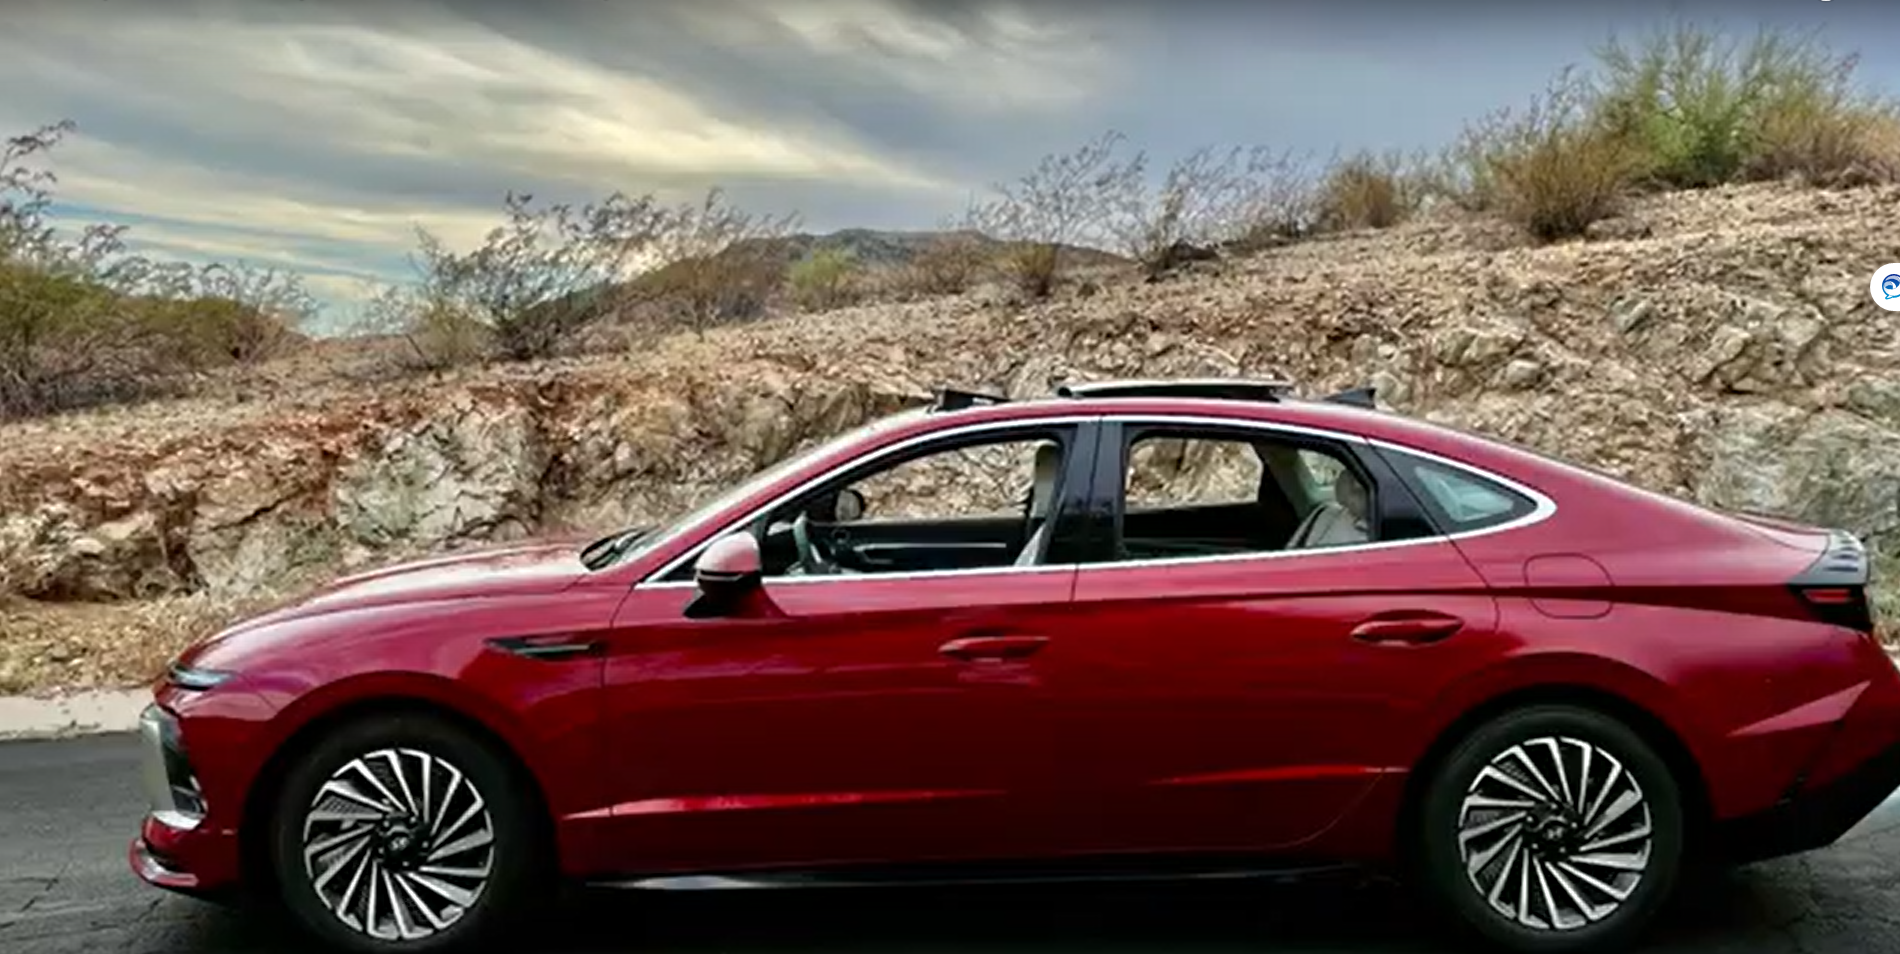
{"points": [[721, 593]]}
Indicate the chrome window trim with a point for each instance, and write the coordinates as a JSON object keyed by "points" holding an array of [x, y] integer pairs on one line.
{"points": [[1543, 507]]}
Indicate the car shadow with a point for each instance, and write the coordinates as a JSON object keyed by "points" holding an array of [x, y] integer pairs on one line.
{"points": [[1733, 912]]}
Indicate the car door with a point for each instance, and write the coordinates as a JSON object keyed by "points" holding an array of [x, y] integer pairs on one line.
{"points": [[1245, 699], [851, 718]]}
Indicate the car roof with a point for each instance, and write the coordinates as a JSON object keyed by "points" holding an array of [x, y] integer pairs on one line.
{"points": [[1321, 415]]}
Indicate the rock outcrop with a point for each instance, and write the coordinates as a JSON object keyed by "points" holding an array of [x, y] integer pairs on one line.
{"points": [[1726, 351]]}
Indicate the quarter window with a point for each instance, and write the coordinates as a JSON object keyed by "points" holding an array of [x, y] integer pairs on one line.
{"points": [[1462, 501]]}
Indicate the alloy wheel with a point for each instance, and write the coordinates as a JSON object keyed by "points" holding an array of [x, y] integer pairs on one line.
{"points": [[1555, 833], [398, 844]]}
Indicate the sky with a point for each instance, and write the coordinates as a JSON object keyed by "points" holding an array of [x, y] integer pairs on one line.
{"points": [[317, 135]]}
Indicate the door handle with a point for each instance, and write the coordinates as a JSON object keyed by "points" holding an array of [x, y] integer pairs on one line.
{"points": [[1407, 629], [993, 647]]}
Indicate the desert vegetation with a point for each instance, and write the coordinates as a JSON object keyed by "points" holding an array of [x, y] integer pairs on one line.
{"points": [[84, 323], [1655, 265]]}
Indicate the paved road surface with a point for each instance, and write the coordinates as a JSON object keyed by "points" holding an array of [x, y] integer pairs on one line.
{"points": [[67, 809]]}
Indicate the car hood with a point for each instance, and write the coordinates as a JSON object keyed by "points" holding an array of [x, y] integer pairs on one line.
{"points": [[539, 566]]}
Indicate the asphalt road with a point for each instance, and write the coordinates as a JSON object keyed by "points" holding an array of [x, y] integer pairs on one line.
{"points": [[67, 809]]}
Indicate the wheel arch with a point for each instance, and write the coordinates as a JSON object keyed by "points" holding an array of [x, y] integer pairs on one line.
{"points": [[1654, 730], [260, 798]]}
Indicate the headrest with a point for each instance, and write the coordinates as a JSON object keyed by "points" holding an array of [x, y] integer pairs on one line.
{"points": [[1350, 493], [1048, 474]]}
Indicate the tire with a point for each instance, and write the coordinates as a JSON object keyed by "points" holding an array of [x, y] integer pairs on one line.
{"points": [[486, 852], [1628, 789]]}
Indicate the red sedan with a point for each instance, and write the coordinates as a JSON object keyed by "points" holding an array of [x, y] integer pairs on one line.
{"points": [[1137, 628]]}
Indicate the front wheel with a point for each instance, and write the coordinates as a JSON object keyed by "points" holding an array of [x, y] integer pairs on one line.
{"points": [[402, 833], [1553, 830]]}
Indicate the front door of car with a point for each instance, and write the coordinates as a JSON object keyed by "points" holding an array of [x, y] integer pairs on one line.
{"points": [[1235, 694], [852, 709]]}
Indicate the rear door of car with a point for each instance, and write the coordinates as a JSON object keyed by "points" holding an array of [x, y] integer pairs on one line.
{"points": [[1247, 698]]}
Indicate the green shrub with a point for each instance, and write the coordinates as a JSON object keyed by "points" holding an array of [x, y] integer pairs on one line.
{"points": [[825, 279], [1698, 107]]}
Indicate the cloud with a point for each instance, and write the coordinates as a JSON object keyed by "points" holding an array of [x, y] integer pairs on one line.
{"points": [[305, 133]]}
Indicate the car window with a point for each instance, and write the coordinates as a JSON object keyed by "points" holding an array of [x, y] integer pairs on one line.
{"points": [[1222, 493], [963, 507], [1187, 472], [986, 480], [1462, 500]]}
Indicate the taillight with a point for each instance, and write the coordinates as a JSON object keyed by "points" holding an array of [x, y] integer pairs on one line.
{"points": [[1835, 585]]}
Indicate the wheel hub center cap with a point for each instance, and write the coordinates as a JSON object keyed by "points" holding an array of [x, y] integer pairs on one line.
{"points": [[398, 841]]}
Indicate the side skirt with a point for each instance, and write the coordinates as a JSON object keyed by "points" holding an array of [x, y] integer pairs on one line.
{"points": [[1148, 870]]}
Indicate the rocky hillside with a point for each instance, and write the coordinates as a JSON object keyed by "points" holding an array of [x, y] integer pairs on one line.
{"points": [[1720, 345]]}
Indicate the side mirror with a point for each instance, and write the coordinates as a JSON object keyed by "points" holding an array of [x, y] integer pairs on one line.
{"points": [[726, 573]]}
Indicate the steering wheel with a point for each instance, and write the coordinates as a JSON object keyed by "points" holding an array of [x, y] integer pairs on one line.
{"points": [[810, 559]]}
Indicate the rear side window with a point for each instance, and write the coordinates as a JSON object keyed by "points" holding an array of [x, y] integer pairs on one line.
{"points": [[1460, 500]]}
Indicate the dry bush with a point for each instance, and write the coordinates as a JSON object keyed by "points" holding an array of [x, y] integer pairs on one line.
{"points": [[1825, 141], [947, 265], [435, 335], [1365, 190], [1278, 201], [1207, 198], [1067, 200], [217, 314], [717, 263], [1551, 169], [545, 274], [66, 342], [827, 278], [84, 324]]}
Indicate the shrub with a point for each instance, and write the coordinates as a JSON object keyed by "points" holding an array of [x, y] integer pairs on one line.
{"points": [[947, 265], [1365, 191], [1825, 141], [1552, 169], [1702, 110], [717, 262], [825, 279], [1207, 198], [543, 275], [1068, 199]]}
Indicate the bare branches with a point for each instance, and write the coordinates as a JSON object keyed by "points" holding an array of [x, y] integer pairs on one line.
{"points": [[1069, 199], [542, 275]]}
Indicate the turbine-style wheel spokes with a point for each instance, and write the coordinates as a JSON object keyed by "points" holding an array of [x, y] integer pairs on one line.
{"points": [[1555, 833], [398, 844]]}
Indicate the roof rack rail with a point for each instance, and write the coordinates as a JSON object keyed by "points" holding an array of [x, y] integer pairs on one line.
{"points": [[1226, 389], [956, 399]]}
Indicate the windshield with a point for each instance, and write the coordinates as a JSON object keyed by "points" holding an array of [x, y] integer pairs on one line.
{"points": [[709, 510]]}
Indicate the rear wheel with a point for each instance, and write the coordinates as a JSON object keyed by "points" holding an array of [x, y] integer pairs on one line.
{"points": [[1552, 830], [403, 833]]}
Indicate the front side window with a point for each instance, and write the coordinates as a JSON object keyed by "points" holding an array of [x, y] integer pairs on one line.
{"points": [[986, 504]]}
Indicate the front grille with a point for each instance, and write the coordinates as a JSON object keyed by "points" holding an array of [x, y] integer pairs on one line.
{"points": [[171, 789]]}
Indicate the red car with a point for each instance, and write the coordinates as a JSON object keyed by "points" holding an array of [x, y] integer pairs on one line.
{"points": [[1136, 628]]}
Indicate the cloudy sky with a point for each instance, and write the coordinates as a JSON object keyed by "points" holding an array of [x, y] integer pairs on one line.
{"points": [[317, 134]]}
